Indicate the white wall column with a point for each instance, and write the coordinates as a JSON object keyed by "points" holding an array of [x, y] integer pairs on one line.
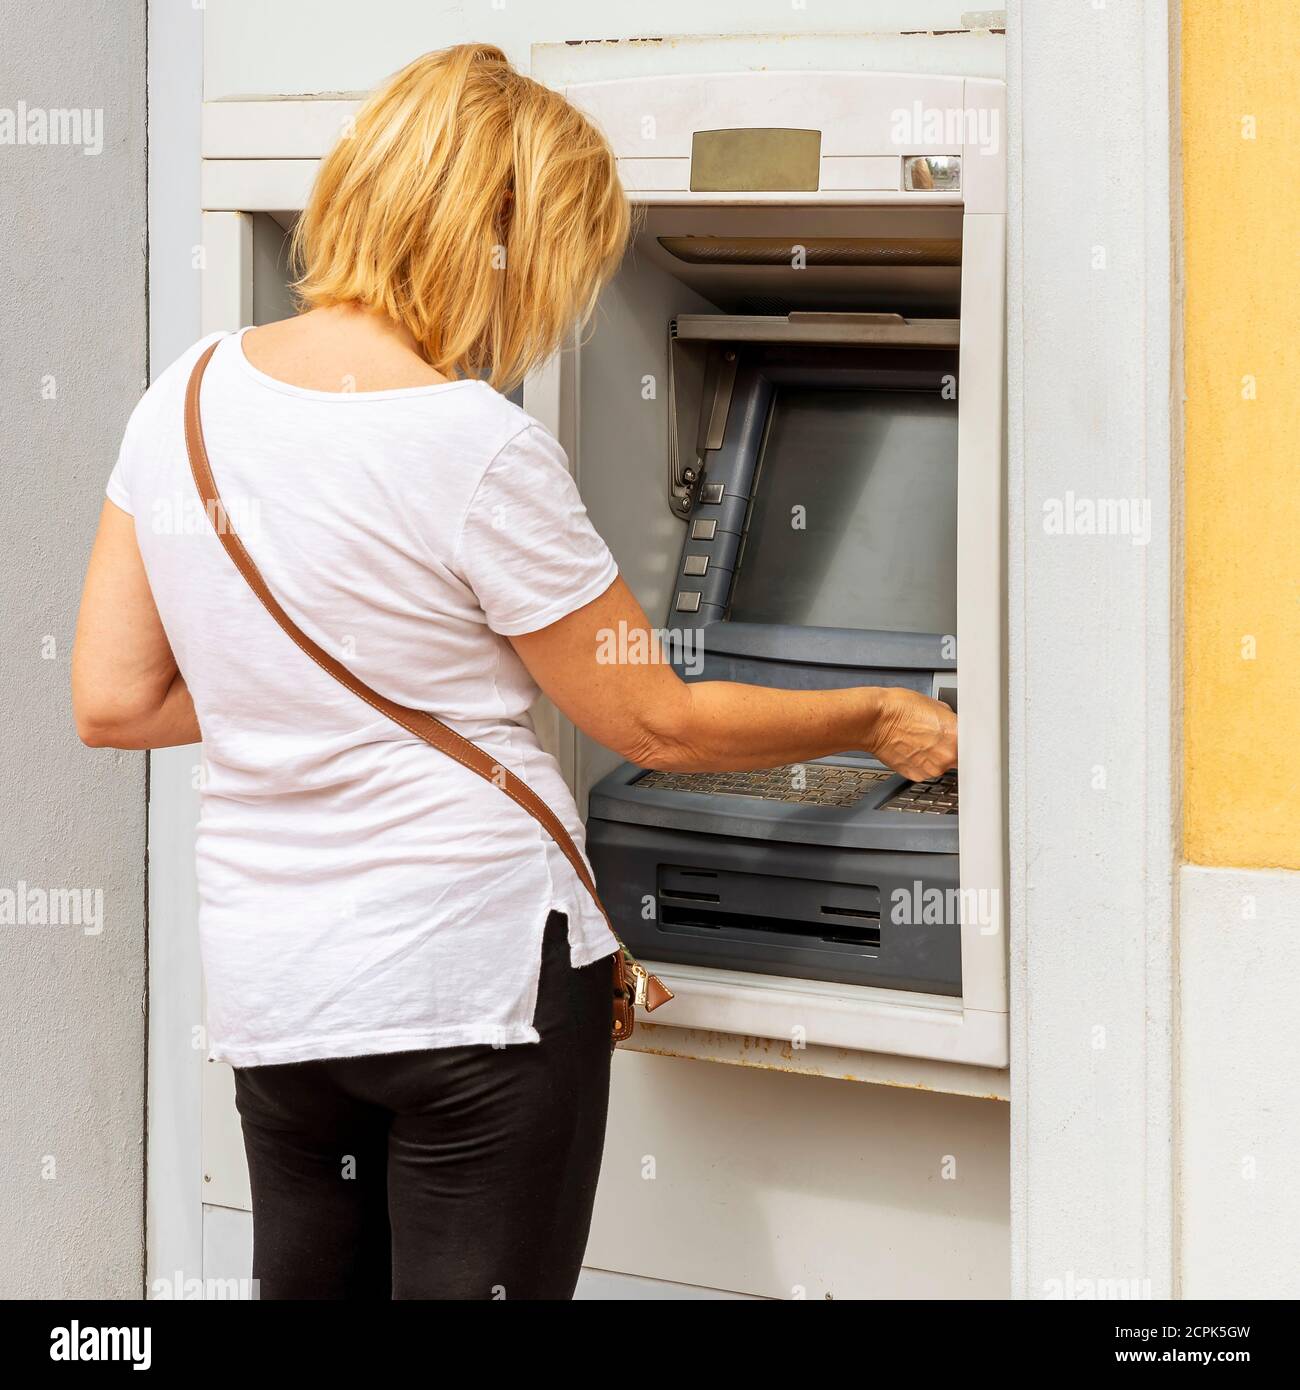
{"points": [[1093, 627]]}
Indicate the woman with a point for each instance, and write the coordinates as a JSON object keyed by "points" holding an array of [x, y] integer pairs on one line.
{"points": [[407, 976]]}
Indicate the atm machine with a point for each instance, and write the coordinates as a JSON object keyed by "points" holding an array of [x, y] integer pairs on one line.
{"points": [[787, 421]]}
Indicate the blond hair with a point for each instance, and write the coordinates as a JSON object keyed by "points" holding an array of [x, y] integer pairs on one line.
{"points": [[473, 206]]}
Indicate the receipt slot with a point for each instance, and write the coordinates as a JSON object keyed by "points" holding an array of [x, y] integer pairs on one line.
{"points": [[787, 422]]}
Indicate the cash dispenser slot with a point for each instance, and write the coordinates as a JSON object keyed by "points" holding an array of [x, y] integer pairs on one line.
{"points": [[741, 904], [753, 903]]}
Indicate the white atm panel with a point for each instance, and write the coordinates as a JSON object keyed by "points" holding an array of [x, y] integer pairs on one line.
{"points": [[949, 243]]}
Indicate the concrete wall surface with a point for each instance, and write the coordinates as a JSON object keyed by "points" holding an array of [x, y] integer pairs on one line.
{"points": [[72, 821]]}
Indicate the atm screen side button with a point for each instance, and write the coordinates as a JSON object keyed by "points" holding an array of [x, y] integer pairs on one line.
{"points": [[695, 566], [703, 530], [687, 603], [711, 492]]}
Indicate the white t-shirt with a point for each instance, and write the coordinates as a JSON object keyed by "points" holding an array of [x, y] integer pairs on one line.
{"points": [[359, 891]]}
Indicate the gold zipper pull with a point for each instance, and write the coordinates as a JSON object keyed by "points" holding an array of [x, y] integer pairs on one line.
{"points": [[642, 978]]}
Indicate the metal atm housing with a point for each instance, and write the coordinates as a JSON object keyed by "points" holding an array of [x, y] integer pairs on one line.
{"points": [[813, 457], [817, 273]]}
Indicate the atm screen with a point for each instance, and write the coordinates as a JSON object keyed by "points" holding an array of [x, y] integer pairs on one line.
{"points": [[853, 517]]}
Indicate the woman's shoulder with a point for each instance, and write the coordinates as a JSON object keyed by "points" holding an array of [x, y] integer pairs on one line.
{"points": [[178, 372], [496, 424], [158, 405], [480, 396], [468, 424]]}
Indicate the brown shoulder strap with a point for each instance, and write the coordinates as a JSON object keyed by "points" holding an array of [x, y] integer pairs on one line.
{"points": [[418, 722]]}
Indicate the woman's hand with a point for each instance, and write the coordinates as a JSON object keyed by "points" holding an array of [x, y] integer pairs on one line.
{"points": [[914, 735]]}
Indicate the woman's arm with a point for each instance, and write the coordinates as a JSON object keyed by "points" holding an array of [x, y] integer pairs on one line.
{"points": [[126, 690], [645, 712]]}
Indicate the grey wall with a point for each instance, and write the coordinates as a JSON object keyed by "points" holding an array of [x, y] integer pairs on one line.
{"points": [[73, 329]]}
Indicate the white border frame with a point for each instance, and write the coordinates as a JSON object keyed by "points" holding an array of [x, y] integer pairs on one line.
{"points": [[1084, 1198]]}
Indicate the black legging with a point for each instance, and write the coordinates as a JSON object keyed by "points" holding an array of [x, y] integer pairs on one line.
{"points": [[452, 1173]]}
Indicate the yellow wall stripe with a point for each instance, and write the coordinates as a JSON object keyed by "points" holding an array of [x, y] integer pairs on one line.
{"points": [[1241, 171]]}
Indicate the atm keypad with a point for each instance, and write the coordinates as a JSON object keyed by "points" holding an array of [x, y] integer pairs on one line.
{"points": [[809, 784], [937, 797]]}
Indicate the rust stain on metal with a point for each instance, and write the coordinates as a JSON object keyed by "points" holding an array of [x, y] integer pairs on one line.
{"points": [[582, 43], [774, 1054]]}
